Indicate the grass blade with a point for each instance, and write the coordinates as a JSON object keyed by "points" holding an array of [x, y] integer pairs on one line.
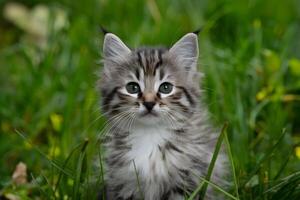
{"points": [[78, 176], [218, 188], [52, 162], [203, 186], [287, 180], [265, 157], [284, 164], [138, 180], [41, 190], [64, 165], [232, 165]]}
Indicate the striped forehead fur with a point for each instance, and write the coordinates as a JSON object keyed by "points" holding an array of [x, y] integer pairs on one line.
{"points": [[150, 59]]}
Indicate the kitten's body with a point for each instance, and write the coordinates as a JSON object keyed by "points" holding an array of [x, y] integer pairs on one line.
{"points": [[158, 154]]}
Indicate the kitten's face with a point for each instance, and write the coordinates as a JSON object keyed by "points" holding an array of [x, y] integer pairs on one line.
{"points": [[149, 86]]}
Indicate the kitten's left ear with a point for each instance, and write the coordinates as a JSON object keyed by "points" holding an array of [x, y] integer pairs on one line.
{"points": [[114, 48], [185, 51]]}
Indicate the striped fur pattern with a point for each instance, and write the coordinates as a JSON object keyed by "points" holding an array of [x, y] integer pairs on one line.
{"points": [[157, 153]]}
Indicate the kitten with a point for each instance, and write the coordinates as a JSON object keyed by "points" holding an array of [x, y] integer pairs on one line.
{"points": [[160, 140]]}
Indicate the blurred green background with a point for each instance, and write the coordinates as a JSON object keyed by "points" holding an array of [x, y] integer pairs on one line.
{"points": [[50, 119]]}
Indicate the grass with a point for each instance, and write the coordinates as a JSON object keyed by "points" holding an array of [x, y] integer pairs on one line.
{"points": [[201, 189], [230, 157], [250, 56]]}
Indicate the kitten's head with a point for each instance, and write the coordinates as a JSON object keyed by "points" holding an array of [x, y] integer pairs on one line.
{"points": [[150, 85]]}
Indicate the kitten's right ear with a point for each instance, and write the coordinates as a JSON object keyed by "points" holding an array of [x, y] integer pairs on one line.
{"points": [[113, 47], [185, 51]]}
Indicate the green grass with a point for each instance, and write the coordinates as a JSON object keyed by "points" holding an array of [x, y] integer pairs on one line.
{"points": [[49, 108], [201, 189]]}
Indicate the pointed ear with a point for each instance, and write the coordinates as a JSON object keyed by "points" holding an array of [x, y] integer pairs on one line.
{"points": [[113, 47], [185, 51]]}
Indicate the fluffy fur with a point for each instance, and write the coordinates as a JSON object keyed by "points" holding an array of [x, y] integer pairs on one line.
{"points": [[158, 154]]}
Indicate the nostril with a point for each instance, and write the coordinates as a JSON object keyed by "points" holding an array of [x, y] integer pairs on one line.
{"points": [[149, 105]]}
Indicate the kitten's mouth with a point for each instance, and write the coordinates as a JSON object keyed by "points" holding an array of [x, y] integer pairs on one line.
{"points": [[149, 114]]}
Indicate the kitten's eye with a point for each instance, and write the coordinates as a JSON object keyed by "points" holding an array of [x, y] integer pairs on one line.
{"points": [[165, 88], [133, 88]]}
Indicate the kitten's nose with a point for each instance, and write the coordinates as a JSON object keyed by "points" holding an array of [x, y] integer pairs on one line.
{"points": [[149, 105]]}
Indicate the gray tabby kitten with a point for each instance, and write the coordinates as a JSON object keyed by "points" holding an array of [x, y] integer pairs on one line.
{"points": [[160, 141]]}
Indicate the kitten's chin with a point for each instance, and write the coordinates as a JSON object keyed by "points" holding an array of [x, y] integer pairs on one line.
{"points": [[149, 119]]}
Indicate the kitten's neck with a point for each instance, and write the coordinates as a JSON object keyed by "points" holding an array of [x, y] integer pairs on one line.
{"points": [[146, 138]]}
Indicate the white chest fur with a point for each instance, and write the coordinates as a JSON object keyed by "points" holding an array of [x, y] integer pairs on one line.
{"points": [[145, 152]]}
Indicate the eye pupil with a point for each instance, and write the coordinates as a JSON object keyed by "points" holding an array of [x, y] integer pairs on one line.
{"points": [[165, 88], [133, 88]]}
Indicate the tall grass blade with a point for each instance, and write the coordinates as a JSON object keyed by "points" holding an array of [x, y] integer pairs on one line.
{"points": [[265, 157], [294, 178], [284, 164], [78, 175], [52, 162], [138, 180], [232, 165], [218, 188], [203, 186], [41, 190], [64, 165]]}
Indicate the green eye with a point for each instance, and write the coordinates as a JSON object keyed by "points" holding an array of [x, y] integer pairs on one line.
{"points": [[165, 88], [133, 88]]}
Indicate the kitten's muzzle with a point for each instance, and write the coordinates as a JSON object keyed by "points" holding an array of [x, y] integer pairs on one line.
{"points": [[149, 105]]}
